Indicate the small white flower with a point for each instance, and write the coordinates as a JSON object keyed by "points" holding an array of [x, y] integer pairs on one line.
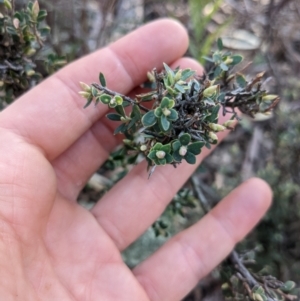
{"points": [[182, 150], [166, 112], [160, 154], [143, 147]]}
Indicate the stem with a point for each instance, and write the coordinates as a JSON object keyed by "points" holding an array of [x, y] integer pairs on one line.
{"points": [[37, 36], [203, 200], [126, 98], [239, 266]]}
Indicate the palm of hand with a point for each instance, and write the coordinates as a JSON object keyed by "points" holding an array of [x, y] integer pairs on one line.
{"points": [[62, 252], [53, 249]]}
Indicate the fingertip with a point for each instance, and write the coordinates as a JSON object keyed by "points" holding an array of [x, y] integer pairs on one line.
{"points": [[175, 27], [263, 189], [244, 207]]}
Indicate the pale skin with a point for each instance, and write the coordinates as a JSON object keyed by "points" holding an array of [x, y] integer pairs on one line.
{"points": [[53, 249]]}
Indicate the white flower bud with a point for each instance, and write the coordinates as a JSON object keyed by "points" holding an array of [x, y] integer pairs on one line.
{"points": [[257, 297], [84, 94], [178, 75], [213, 136], [85, 87], [166, 112], [16, 23], [229, 123], [269, 97], [182, 150], [30, 72], [160, 154], [210, 91], [228, 61], [151, 77], [216, 127], [143, 147]]}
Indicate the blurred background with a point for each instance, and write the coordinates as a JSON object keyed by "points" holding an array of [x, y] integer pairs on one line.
{"points": [[267, 34]]}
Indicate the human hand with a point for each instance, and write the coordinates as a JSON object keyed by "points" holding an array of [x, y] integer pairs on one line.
{"points": [[53, 249]]}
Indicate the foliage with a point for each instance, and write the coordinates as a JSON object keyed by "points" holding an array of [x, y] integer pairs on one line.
{"points": [[183, 117], [22, 36]]}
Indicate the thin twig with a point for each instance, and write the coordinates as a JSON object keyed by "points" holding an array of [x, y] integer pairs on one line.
{"points": [[202, 199], [126, 98], [239, 266]]}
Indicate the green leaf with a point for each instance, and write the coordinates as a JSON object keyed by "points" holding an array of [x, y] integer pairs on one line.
{"points": [[120, 129], [114, 117], [190, 158], [120, 110], [224, 67], [214, 114], [149, 119], [179, 88], [288, 286], [102, 79], [160, 161], [217, 72], [152, 155], [217, 58], [187, 73], [165, 102], [195, 147], [221, 97], [119, 100], [171, 103], [11, 30], [176, 145], [168, 158], [157, 146], [236, 59], [185, 139], [209, 59], [177, 156], [89, 100], [133, 122], [44, 31], [158, 112], [166, 148], [105, 98], [171, 91], [18, 15], [240, 80], [29, 6], [169, 70], [165, 123], [173, 116], [94, 91], [132, 159], [136, 112], [207, 145], [42, 15], [220, 44], [146, 96]]}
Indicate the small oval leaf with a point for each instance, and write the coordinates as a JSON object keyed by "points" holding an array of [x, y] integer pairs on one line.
{"points": [[102, 79], [190, 158], [114, 117], [149, 119]]}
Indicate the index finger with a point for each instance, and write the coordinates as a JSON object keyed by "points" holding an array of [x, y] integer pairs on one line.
{"points": [[51, 116]]}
